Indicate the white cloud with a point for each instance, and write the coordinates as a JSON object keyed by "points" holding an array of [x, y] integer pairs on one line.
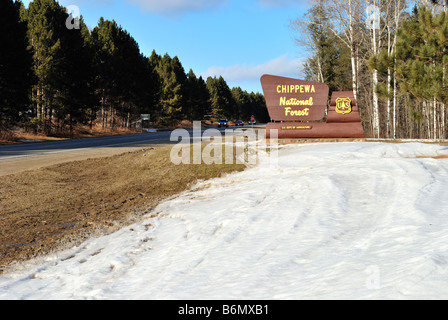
{"points": [[85, 2], [281, 66], [173, 7], [299, 4], [283, 3]]}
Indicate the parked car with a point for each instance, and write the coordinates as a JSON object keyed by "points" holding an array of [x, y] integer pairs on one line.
{"points": [[223, 123], [239, 123]]}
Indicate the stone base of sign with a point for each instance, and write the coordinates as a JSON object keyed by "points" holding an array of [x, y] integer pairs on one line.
{"points": [[292, 130], [314, 140]]}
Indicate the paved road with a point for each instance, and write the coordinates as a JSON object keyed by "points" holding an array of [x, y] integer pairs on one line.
{"points": [[8, 152], [42, 148]]}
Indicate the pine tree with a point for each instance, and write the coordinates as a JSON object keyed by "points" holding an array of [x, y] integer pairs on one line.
{"points": [[45, 22], [241, 99], [173, 78], [15, 64], [421, 62], [104, 48], [60, 59], [125, 82], [147, 88], [258, 107], [221, 99], [196, 97], [76, 99]]}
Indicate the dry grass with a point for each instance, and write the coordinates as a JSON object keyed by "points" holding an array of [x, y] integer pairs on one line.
{"points": [[6, 137], [46, 209], [79, 131], [444, 156]]}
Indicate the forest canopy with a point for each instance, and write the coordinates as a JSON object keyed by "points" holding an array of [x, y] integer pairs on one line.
{"points": [[55, 72], [392, 53]]}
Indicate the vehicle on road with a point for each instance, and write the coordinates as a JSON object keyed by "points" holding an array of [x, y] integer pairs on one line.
{"points": [[223, 123], [239, 123]]}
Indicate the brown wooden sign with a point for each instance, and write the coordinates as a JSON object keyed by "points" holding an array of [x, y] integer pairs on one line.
{"points": [[294, 100], [297, 105]]}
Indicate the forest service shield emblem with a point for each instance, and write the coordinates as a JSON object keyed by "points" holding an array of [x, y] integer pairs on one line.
{"points": [[343, 105]]}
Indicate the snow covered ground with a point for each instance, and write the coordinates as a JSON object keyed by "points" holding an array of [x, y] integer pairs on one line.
{"points": [[330, 221]]}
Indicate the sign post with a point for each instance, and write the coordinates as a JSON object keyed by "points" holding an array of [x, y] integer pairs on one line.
{"points": [[252, 120], [146, 118]]}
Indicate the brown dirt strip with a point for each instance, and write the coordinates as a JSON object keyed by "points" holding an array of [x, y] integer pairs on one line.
{"points": [[20, 164], [444, 156], [61, 205]]}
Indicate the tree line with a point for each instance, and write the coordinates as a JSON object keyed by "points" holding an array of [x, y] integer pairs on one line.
{"points": [[55, 72], [392, 53]]}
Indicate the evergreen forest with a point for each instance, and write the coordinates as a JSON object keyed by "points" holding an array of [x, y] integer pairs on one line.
{"points": [[392, 53], [56, 73]]}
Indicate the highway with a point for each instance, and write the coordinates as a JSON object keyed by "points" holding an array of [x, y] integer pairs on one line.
{"points": [[27, 156], [53, 147], [8, 152]]}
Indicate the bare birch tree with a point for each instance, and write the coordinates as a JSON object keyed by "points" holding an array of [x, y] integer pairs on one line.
{"points": [[347, 18], [373, 21], [305, 39]]}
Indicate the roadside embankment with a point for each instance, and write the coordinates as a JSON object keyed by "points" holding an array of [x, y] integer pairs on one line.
{"points": [[56, 206]]}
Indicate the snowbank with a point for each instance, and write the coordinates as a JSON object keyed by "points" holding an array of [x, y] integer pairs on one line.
{"points": [[330, 221]]}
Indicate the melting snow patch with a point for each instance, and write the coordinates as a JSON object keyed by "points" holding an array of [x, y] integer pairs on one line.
{"points": [[334, 220]]}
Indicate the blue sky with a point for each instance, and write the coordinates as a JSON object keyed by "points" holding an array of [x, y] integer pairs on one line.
{"points": [[238, 39]]}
